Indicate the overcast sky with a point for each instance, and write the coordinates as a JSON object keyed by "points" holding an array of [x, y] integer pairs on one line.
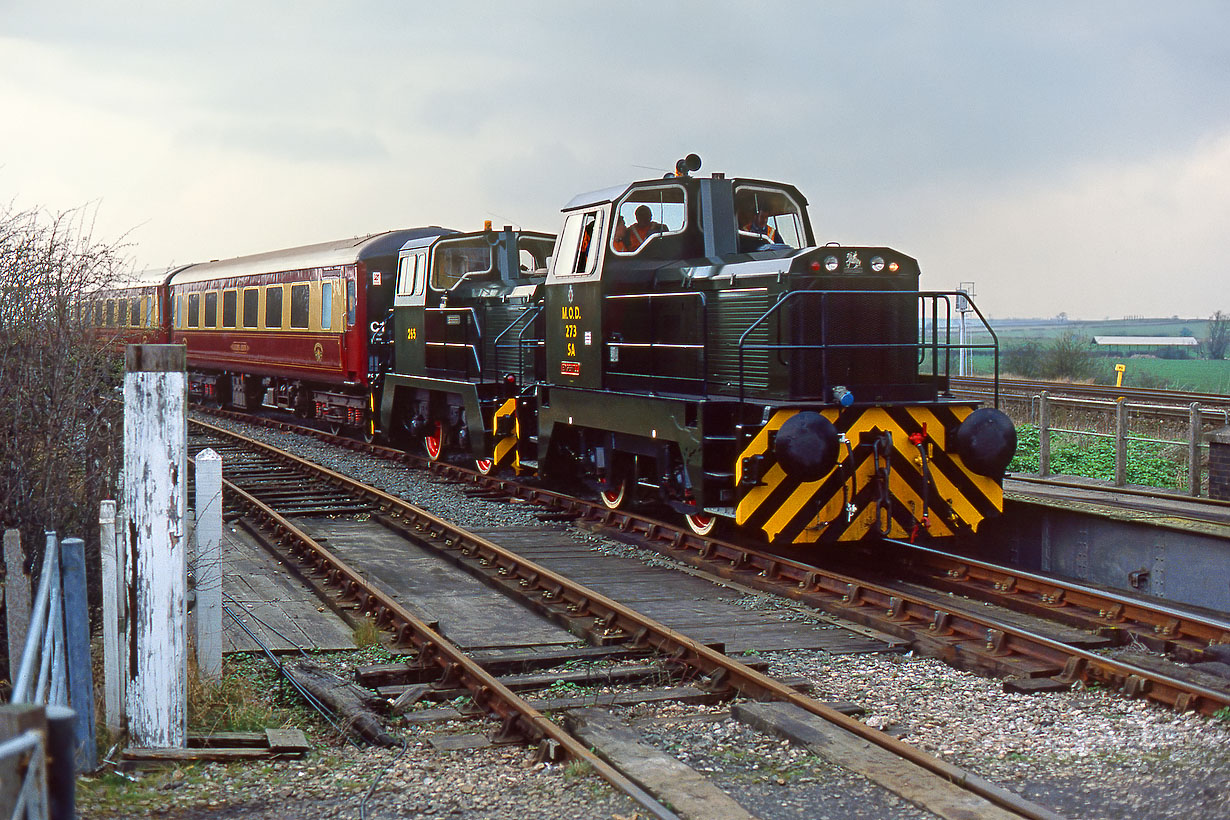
{"points": [[1063, 156]]}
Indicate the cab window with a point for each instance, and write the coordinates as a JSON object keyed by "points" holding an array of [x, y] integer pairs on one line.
{"points": [[534, 252], [768, 216], [412, 274], [647, 213], [453, 260], [577, 244]]}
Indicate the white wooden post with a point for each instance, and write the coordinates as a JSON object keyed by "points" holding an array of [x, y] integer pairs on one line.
{"points": [[16, 599], [114, 633], [208, 564], [155, 461]]}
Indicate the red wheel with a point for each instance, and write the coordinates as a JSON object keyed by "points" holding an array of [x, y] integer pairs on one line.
{"points": [[701, 524], [433, 441], [614, 499], [484, 465]]}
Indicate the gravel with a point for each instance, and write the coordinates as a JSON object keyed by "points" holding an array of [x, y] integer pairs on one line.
{"points": [[1082, 753]]}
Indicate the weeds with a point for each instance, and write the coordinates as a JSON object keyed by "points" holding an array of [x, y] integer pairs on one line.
{"points": [[367, 635]]}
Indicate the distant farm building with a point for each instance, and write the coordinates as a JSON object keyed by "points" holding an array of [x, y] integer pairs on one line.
{"points": [[1170, 347]]}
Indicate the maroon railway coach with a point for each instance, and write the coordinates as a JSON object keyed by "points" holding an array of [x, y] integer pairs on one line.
{"points": [[299, 329]]}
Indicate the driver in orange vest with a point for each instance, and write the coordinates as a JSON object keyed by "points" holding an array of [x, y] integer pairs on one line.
{"points": [[629, 238], [759, 224]]}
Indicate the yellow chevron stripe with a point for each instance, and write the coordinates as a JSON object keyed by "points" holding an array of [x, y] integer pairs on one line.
{"points": [[508, 444], [906, 457]]}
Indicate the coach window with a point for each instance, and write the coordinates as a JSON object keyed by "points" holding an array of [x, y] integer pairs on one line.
{"points": [[194, 310], [151, 312], [211, 309], [300, 305], [229, 304], [326, 305], [351, 302], [273, 306], [110, 313], [121, 313], [647, 213], [251, 307]]}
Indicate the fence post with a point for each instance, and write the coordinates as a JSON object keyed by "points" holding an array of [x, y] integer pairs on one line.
{"points": [[208, 564], [1121, 436], [1193, 449], [61, 776], [77, 649], [16, 599], [155, 460], [1044, 434], [112, 608]]}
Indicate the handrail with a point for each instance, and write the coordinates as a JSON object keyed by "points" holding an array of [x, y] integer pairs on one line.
{"points": [[654, 344], [919, 342], [527, 316]]}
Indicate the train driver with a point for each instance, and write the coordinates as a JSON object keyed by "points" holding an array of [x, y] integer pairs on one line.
{"points": [[758, 223], [628, 239]]}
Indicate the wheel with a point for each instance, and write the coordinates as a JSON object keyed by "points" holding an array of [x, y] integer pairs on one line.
{"points": [[701, 524], [484, 465], [433, 440], [614, 499]]}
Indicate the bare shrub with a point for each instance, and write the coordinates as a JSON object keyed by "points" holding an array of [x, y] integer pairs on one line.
{"points": [[1218, 339], [61, 439], [1068, 356]]}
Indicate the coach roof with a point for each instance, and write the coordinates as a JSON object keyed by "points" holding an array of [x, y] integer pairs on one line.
{"points": [[323, 255]]}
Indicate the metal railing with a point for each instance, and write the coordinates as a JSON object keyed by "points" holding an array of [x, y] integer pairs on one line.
{"points": [[1117, 415], [53, 671]]}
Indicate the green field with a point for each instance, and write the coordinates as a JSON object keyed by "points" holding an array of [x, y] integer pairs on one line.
{"points": [[1198, 375]]}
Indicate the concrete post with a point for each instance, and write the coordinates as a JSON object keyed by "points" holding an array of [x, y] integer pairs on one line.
{"points": [[208, 564], [16, 599], [155, 460], [115, 635]]}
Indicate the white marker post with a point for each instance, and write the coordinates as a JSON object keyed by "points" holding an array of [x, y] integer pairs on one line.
{"points": [[208, 564], [155, 461], [115, 633]]}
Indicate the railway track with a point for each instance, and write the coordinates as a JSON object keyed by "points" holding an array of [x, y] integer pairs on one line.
{"points": [[272, 480], [1041, 632]]}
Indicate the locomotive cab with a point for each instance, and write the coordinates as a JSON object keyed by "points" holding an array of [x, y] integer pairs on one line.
{"points": [[466, 331]]}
